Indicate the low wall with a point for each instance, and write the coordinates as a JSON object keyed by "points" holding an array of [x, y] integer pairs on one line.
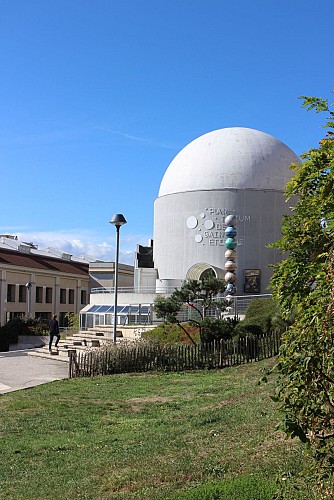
{"points": [[29, 342], [134, 332]]}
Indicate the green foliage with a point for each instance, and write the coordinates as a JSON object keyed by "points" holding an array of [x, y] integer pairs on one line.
{"points": [[262, 317], [20, 326], [170, 334], [73, 323], [303, 285], [261, 307], [5, 340], [167, 308], [199, 297], [13, 328], [319, 105], [216, 329], [244, 329]]}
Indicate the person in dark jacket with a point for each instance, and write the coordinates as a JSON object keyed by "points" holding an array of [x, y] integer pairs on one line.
{"points": [[54, 331]]}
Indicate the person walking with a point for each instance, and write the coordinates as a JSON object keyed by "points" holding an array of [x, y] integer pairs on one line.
{"points": [[54, 331]]}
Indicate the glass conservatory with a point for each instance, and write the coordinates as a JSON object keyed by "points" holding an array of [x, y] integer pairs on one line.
{"points": [[100, 315]]}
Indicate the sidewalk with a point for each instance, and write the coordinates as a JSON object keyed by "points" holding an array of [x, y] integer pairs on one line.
{"points": [[18, 370]]}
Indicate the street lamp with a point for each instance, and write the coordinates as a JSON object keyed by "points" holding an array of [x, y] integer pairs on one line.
{"points": [[28, 286], [117, 220]]}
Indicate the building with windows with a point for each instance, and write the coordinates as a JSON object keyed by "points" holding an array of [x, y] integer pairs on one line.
{"points": [[39, 283], [102, 275]]}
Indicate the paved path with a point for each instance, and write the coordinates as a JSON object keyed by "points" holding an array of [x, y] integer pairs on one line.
{"points": [[18, 370]]}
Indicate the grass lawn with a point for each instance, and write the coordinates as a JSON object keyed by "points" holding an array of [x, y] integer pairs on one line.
{"points": [[194, 435]]}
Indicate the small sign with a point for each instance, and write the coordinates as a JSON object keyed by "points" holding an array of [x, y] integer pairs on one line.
{"points": [[252, 281]]}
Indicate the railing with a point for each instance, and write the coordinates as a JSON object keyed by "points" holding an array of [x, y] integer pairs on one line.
{"points": [[169, 290], [140, 357], [151, 290], [90, 319], [240, 303]]}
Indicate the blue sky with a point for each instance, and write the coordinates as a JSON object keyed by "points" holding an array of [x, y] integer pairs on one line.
{"points": [[97, 97]]}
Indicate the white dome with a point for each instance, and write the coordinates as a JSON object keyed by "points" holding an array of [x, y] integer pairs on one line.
{"points": [[230, 158]]}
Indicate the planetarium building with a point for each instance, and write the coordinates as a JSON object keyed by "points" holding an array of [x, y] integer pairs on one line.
{"points": [[233, 171], [220, 204]]}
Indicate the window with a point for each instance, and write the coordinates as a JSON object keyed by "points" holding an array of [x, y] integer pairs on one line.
{"points": [[48, 295], [84, 297], [10, 293], [39, 294], [63, 321], [44, 317], [103, 276], [12, 315], [22, 293], [62, 296], [71, 296]]}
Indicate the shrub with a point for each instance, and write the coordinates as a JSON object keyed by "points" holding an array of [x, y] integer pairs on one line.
{"points": [[72, 321], [260, 307], [244, 329], [23, 326], [170, 334], [4, 340], [216, 329], [13, 328], [262, 317]]}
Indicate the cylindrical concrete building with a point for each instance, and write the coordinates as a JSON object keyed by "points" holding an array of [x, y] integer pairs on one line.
{"points": [[232, 171]]}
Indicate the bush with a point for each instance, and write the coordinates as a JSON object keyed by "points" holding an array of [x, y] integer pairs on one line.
{"points": [[13, 328], [216, 329], [170, 334], [72, 321], [260, 307], [4, 340], [23, 326], [244, 329], [262, 317]]}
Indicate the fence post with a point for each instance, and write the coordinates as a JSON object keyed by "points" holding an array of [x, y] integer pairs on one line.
{"points": [[73, 364]]}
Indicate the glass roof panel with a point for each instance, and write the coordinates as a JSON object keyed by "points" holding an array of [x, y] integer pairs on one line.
{"points": [[123, 309], [93, 309], [104, 309]]}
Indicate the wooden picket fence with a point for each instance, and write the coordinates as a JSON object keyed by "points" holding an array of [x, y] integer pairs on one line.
{"points": [[140, 357]]}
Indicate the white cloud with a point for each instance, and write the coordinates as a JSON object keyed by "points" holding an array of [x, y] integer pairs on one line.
{"points": [[78, 243], [136, 138]]}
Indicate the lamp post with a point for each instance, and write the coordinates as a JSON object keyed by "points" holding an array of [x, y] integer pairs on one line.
{"points": [[117, 220], [28, 286]]}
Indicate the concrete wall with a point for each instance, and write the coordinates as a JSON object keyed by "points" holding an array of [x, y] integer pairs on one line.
{"points": [[189, 229], [123, 299]]}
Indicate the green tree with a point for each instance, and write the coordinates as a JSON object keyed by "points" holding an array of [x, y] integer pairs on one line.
{"points": [[303, 285], [198, 297], [73, 322]]}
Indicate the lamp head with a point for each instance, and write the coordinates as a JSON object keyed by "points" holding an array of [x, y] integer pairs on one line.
{"points": [[118, 220]]}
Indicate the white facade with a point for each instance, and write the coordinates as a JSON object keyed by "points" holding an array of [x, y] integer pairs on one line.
{"points": [[235, 171], [232, 171]]}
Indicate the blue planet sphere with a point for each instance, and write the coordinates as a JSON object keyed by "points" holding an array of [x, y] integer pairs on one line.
{"points": [[230, 232]]}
